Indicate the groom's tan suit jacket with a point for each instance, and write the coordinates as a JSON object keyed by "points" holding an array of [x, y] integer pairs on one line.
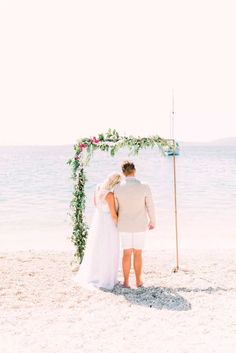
{"points": [[135, 206]]}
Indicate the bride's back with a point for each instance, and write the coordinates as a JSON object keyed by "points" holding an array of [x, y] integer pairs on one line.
{"points": [[100, 198]]}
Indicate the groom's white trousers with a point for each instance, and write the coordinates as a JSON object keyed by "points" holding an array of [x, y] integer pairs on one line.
{"points": [[134, 240]]}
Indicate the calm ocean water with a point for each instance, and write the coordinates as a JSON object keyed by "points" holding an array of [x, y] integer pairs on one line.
{"points": [[36, 189]]}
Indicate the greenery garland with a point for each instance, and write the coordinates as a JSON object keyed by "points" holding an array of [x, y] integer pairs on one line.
{"points": [[110, 142]]}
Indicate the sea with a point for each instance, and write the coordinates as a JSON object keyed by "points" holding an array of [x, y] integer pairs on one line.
{"points": [[36, 190]]}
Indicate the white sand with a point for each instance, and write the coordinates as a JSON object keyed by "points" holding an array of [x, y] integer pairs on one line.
{"points": [[43, 310]]}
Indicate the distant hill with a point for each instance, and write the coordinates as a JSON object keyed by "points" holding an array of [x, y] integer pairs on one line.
{"points": [[228, 141]]}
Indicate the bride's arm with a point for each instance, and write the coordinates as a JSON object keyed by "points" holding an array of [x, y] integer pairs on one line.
{"points": [[112, 206]]}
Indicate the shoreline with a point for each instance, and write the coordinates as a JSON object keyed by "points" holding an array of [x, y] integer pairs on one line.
{"points": [[160, 239]]}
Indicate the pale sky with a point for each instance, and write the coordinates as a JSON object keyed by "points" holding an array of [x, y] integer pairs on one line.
{"points": [[74, 68]]}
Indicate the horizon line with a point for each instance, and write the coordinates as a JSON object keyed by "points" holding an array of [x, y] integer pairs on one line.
{"points": [[222, 139]]}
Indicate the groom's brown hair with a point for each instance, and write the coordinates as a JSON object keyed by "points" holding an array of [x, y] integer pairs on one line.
{"points": [[128, 167]]}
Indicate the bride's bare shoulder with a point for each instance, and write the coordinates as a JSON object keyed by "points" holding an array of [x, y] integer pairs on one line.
{"points": [[109, 196]]}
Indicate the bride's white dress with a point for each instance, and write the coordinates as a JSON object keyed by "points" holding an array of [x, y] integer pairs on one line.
{"points": [[100, 264]]}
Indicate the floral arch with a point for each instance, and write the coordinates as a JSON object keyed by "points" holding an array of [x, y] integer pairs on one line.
{"points": [[110, 142]]}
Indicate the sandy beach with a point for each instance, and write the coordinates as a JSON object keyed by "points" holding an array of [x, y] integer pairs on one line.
{"points": [[44, 310], [85, 86]]}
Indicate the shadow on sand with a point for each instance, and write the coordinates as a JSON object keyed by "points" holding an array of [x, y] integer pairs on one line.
{"points": [[209, 290], [154, 297]]}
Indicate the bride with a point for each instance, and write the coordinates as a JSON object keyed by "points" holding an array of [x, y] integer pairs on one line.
{"points": [[100, 264]]}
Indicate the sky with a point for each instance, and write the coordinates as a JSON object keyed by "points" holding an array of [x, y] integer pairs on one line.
{"points": [[71, 69]]}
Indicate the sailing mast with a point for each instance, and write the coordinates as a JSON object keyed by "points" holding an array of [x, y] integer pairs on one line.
{"points": [[172, 115]]}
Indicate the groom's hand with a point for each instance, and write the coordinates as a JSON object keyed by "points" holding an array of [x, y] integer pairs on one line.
{"points": [[151, 226]]}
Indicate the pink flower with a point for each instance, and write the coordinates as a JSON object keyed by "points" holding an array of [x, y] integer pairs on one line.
{"points": [[95, 140], [82, 146], [77, 158]]}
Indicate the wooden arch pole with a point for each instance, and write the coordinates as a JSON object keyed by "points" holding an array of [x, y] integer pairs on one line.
{"points": [[175, 269], [172, 118]]}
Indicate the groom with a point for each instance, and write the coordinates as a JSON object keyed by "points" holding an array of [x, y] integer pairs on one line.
{"points": [[136, 214]]}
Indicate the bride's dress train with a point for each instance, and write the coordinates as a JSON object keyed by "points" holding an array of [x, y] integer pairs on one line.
{"points": [[100, 264]]}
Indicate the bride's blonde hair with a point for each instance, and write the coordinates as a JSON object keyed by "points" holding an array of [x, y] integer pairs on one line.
{"points": [[111, 181]]}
